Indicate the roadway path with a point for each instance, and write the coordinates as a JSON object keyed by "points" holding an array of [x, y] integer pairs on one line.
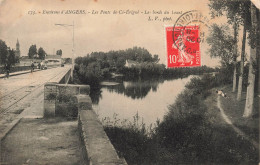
{"points": [[26, 137], [22, 93]]}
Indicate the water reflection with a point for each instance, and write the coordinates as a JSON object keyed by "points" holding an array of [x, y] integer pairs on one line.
{"points": [[95, 94], [149, 98], [135, 89]]}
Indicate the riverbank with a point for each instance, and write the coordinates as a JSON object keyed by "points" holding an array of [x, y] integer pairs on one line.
{"points": [[232, 115], [193, 131]]}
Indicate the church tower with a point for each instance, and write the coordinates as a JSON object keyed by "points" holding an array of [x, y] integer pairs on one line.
{"points": [[17, 50]]}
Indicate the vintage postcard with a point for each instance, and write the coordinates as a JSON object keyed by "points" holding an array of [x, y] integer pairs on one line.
{"points": [[129, 82]]}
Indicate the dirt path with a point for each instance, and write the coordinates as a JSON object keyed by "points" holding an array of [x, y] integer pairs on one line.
{"points": [[228, 121]]}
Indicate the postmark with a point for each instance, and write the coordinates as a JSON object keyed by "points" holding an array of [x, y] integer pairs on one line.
{"points": [[183, 48], [183, 40]]}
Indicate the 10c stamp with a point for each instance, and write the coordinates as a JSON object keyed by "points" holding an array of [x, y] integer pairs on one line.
{"points": [[183, 46], [183, 40]]}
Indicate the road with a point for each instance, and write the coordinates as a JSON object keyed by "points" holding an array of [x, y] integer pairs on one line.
{"points": [[23, 94], [25, 136]]}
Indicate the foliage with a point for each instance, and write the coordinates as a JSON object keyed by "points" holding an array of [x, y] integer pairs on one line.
{"points": [[221, 43], [41, 53], [233, 9], [32, 51], [99, 65], [66, 106], [3, 52], [59, 52], [239, 11], [11, 57], [133, 141], [7, 55]]}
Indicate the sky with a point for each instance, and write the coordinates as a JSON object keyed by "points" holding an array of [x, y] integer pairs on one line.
{"points": [[93, 32]]}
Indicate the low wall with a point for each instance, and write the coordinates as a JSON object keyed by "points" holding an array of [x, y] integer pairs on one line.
{"points": [[97, 148], [73, 101], [15, 69], [66, 78], [59, 99], [23, 68]]}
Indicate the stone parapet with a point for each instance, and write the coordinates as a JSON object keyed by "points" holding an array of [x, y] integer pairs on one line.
{"points": [[58, 99], [97, 148]]}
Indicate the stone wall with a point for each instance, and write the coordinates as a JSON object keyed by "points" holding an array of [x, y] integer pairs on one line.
{"points": [[66, 78], [97, 148], [74, 101], [59, 99]]}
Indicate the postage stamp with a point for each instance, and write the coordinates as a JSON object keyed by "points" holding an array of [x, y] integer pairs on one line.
{"points": [[184, 38], [183, 46]]}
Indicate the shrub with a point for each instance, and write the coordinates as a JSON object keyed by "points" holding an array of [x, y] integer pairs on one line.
{"points": [[66, 106]]}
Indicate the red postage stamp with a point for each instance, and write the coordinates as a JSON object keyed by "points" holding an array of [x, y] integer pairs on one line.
{"points": [[183, 46]]}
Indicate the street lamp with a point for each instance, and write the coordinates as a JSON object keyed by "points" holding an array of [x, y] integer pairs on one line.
{"points": [[66, 25]]}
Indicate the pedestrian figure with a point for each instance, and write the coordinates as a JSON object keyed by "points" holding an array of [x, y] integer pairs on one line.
{"points": [[32, 67], [221, 93], [7, 70], [39, 66], [42, 65]]}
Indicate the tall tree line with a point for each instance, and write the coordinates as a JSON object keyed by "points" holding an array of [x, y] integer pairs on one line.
{"points": [[242, 13], [7, 55], [33, 53]]}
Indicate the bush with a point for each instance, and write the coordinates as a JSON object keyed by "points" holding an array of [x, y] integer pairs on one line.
{"points": [[66, 106]]}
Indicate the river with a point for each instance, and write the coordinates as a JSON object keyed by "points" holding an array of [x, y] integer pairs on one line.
{"points": [[149, 98]]}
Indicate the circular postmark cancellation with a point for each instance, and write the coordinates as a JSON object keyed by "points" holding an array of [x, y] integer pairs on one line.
{"points": [[184, 38]]}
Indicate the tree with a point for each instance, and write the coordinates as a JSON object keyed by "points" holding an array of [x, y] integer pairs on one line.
{"points": [[258, 55], [156, 58], [240, 81], [235, 26], [11, 57], [232, 9], [252, 66], [32, 51], [3, 52], [41, 53], [238, 11], [221, 43], [59, 52]]}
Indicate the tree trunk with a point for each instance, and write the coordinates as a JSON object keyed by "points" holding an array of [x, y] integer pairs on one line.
{"points": [[235, 57], [240, 82], [252, 68], [258, 55]]}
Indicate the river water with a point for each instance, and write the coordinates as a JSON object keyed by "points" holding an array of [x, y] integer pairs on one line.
{"points": [[149, 98]]}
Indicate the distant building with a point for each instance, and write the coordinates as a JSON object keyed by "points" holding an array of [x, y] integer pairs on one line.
{"points": [[26, 61], [17, 50], [130, 63], [53, 59]]}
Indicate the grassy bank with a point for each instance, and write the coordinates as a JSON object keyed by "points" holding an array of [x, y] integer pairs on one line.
{"points": [[192, 132]]}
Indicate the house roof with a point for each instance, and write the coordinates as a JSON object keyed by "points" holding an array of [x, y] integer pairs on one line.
{"points": [[132, 62]]}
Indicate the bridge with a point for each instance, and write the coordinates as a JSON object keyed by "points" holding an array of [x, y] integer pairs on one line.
{"points": [[34, 128]]}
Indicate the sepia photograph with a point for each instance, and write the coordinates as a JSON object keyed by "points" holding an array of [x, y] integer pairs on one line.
{"points": [[133, 82]]}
